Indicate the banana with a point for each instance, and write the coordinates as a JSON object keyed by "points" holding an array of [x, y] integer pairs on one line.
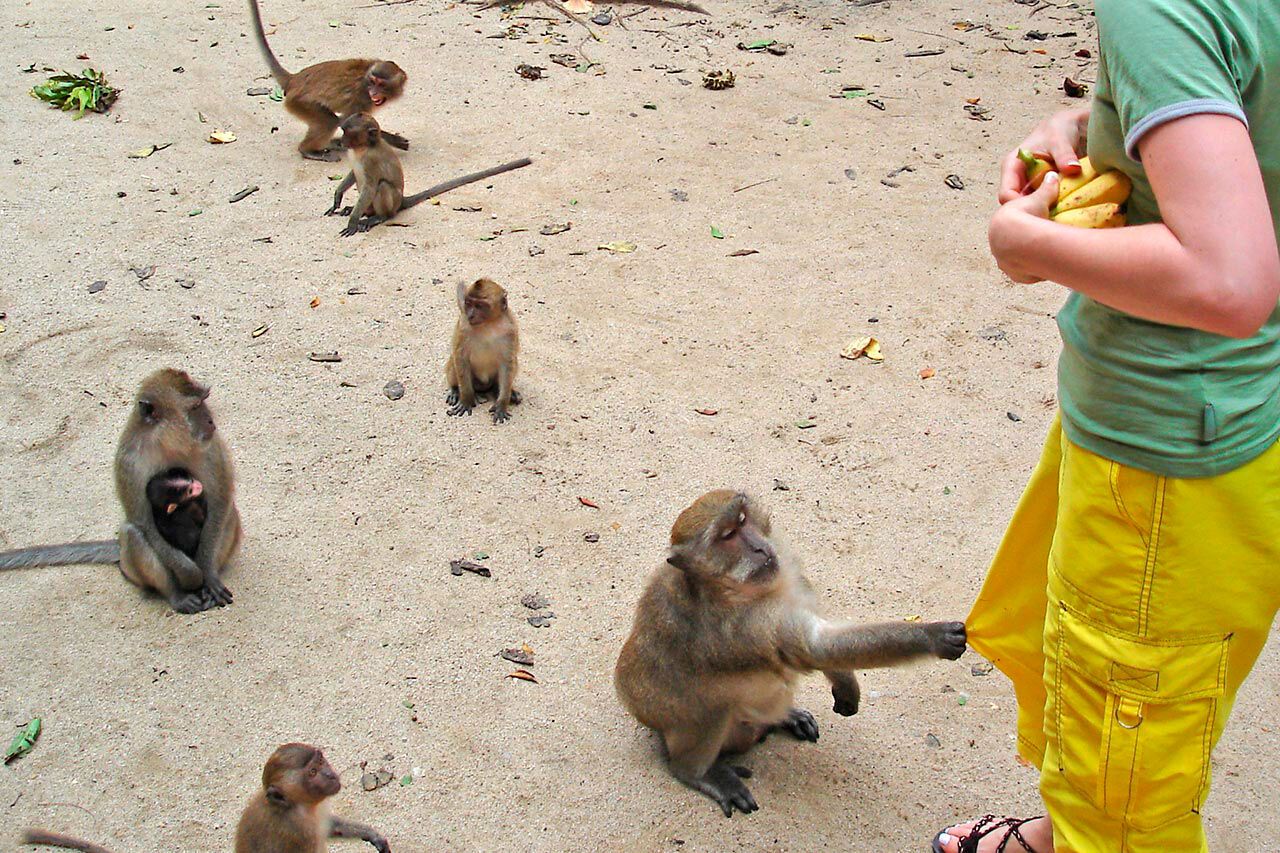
{"points": [[1069, 185], [1036, 168], [1106, 215], [1108, 188]]}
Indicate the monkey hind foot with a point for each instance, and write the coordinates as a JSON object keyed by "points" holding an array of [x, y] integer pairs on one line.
{"points": [[326, 155], [723, 783]]}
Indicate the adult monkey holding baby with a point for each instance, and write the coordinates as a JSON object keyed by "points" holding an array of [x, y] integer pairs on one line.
{"points": [[170, 461], [1137, 581]]}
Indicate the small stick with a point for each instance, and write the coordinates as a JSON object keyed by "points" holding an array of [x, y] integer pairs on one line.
{"points": [[756, 184]]}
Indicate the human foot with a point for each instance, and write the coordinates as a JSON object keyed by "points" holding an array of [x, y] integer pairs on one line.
{"points": [[997, 835]]}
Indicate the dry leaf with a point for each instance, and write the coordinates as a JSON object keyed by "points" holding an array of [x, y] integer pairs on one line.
{"points": [[523, 675], [588, 502], [860, 346], [620, 247], [580, 7], [260, 331], [707, 412], [872, 37], [928, 373], [222, 137], [913, 618], [315, 302], [742, 253]]}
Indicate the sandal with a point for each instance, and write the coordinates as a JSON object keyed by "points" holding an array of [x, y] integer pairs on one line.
{"points": [[984, 827]]}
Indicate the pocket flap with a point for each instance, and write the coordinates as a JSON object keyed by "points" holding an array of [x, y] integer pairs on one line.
{"points": [[1146, 670]]}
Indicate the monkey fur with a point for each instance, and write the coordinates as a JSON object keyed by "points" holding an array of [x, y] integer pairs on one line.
{"points": [[325, 93], [375, 169], [485, 352], [722, 633], [288, 814], [169, 427]]}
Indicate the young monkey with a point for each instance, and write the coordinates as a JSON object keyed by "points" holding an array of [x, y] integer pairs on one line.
{"points": [[722, 633], [375, 168], [288, 814], [179, 508], [485, 353], [325, 93]]}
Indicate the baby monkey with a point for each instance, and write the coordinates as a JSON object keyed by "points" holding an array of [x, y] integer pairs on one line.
{"points": [[722, 633], [288, 814], [179, 508], [375, 168], [485, 353]]}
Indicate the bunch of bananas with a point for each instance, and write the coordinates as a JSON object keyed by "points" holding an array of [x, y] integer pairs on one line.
{"points": [[1089, 200]]}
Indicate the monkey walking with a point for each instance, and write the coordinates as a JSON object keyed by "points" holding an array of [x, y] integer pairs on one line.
{"points": [[169, 428], [721, 634], [288, 814], [375, 167], [484, 355], [322, 95]]}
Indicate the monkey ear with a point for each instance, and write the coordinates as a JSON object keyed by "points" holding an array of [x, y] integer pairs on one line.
{"points": [[462, 296], [276, 796]]}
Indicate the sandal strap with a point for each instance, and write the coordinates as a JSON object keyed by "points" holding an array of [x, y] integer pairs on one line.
{"points": [[989, 824]]}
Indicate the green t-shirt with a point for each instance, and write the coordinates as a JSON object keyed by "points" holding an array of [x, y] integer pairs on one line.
{"points": [[1172, 400]]}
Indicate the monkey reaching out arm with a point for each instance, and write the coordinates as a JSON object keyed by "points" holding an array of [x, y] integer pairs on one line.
{"points": [[322, 95], [723, 631], [484, 355], [375, 169], [288, 814], [169, 447]]}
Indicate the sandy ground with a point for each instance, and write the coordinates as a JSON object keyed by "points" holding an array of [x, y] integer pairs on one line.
{"points": [[347, 629]]}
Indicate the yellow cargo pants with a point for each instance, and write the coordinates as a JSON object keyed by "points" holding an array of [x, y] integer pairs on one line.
{"points": [[1127, 608]]}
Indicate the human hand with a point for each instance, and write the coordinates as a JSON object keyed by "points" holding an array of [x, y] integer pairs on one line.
{"points": [[1060, 138], [1008, 235]]}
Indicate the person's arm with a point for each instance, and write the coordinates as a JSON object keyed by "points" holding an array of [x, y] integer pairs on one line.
{"points": [[1212, 264]]}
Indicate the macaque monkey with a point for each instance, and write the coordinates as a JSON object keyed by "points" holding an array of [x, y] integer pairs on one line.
{"points": [[179, 509], [484, 355], [57, 839], [322, 95], [288, 814], [169, 428], [375, 168], [723, 631]]}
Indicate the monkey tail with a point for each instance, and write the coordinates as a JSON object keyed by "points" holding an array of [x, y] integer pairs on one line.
{"points": [[277, 70], [54, 839], [440, 189], [104, 552]]}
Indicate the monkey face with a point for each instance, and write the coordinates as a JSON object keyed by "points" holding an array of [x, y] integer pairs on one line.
{"points": [[171, 398], [299, 773], [321, 779], [483, 301], [384, 81], [725, 536], [360, 131]]}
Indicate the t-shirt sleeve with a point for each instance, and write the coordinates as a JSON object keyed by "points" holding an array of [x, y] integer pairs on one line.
{"points": [[1166, 59]]}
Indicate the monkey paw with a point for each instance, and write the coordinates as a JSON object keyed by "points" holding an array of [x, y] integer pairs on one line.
{"points": [[334, 211], [195, 602], [800, 724], [380, 844], [948, 639], [326, 155], [500, 416], [724, 785], [395, 140], [846, 701], [459, 409], [350, 231], [451, 399]]}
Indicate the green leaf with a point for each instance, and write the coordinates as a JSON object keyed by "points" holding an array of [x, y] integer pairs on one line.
{"points": [[853, 92], [277, 94], [759, 45], [406, 780], [805, 424], [23, 741], [717, 233]]}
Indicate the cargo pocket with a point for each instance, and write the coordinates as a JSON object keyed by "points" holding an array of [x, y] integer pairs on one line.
{"points": [[1134, 719]]}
